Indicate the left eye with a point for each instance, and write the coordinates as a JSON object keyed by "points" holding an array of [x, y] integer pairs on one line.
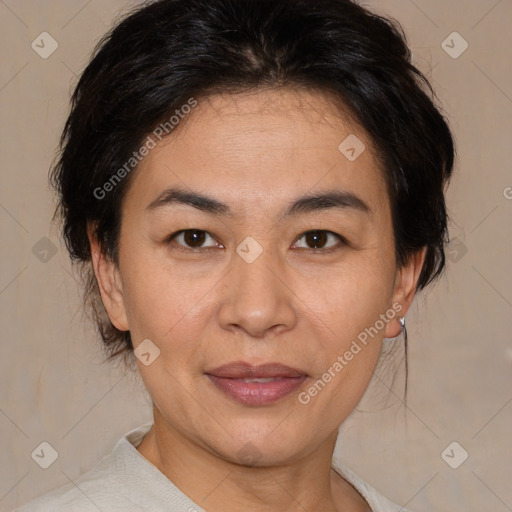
{"points": [[318, 238]]}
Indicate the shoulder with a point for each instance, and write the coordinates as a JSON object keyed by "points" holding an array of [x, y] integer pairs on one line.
{"points": [[64, 498], [96, 490], [112, 485], [374, 498]]}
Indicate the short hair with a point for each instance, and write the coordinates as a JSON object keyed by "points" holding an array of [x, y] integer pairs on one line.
{"points": [[164, 53]]}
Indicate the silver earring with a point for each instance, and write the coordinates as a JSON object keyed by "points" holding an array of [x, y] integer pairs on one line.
{"points": [[401, 319]]}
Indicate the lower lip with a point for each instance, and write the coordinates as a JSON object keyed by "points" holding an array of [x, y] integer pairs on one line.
{"points": [[257, 393]]}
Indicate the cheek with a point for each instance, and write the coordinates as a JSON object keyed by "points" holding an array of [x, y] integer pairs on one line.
{"points": [[349, 296], [165, 302], [345, 308], [349, 329]]}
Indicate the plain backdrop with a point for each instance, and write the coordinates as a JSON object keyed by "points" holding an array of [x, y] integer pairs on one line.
{"points": [[54, 387]]}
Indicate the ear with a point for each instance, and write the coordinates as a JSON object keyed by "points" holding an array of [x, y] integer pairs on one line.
{"points": [[109, 282], [406, 281]]}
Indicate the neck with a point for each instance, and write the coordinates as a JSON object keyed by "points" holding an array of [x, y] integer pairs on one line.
{"points": [[217, 484]]}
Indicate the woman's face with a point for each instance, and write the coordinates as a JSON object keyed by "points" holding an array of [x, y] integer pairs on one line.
{"points": [[250, 285]]}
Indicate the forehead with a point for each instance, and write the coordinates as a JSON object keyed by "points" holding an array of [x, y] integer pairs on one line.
{"points": [[262, 145], [269, 120]]}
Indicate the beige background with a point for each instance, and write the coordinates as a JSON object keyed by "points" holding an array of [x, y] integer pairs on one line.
{"points": [[54, 387]]}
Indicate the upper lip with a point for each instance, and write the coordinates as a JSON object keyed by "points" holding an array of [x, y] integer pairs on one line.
{"points": [[243, 370]]}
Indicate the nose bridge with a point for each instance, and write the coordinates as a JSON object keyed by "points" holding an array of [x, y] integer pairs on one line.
{"points": [[259, 298]]}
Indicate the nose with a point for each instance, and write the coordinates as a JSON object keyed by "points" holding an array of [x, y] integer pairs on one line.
{"points": [[257, 297]]}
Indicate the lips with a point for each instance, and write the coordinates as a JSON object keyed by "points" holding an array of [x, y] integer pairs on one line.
{"points": [[256, 385], [242, 370]]}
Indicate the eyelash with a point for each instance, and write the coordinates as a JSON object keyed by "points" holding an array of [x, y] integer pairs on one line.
{"points": [[343, 242]]}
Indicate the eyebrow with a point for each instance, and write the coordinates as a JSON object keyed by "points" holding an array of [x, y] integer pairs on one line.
{"points": [[328, 199]]}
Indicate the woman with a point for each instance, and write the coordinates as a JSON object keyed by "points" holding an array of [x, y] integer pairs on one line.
{"points": [[255, 192]]}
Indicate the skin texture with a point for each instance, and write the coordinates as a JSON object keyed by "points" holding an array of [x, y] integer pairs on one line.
{"points": [[257, 152]]}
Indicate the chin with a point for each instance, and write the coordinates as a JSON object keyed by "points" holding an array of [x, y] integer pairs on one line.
{"points": [[258, 445]]}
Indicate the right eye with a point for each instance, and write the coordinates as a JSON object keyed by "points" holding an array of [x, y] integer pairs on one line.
{"points": [[190, 240]]}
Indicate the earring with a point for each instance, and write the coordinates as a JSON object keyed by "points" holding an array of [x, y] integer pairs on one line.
{"points": [[401, 319]]}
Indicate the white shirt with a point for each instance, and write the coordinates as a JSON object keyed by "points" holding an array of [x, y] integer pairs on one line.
{"points": [[125, 481]]}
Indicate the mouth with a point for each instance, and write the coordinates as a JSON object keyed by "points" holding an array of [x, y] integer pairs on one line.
{"points": [[256, 385]]}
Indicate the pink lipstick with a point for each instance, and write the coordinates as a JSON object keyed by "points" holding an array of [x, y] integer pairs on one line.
{"points": [[256, 385]]}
